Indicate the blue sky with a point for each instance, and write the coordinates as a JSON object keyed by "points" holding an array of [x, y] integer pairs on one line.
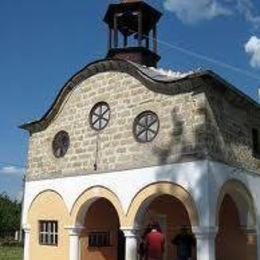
{"points": [[44, 42]]}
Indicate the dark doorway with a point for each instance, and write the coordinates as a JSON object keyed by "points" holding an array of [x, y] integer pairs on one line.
{"points": [[121, 246]]}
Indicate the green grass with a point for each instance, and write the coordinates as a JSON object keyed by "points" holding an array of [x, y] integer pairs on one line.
{"points": [[11, 253]]}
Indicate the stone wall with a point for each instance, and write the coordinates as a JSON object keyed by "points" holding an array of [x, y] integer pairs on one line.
{"points": [[181, 135], [229, 130], [200, 123]]}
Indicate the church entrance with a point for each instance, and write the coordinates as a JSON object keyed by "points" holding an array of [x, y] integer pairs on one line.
{"points": [[102, 239], [172, 216]]}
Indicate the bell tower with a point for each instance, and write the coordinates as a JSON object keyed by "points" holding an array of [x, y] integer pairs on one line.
{"points": [[132, 32]]}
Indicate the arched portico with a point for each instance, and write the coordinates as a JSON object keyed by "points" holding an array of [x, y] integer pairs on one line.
{"points": [[96, 216], [236, 219], [169, 204], [144, 197], [243, 199], [88, 197]]}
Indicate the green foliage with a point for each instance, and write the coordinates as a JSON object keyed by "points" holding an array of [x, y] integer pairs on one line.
{"points": [[11, 253], [10, 215]]}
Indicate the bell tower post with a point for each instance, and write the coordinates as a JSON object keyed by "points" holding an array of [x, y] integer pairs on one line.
{"points": [[132, 27]]}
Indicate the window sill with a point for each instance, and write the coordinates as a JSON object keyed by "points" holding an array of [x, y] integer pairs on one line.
{"points": [[48, 245], [97, 247]]}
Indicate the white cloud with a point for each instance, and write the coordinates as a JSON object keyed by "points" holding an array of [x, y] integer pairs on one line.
{"points": [[193, 11], [12, 170], [11, 181], [252, 47], [190, 11], [246, 7]]}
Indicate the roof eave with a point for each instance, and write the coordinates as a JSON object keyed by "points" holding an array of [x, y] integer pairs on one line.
{"points": [[232, 87], [156, 85]]}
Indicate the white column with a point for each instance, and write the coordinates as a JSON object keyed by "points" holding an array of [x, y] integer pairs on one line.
{"points": [[26, 253], [131, 239], [205, 241], [74, 248]]}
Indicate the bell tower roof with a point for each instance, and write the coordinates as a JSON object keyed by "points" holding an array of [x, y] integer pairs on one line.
{"points": [[132, 26]]}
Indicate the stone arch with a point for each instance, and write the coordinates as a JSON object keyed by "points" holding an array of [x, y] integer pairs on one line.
{"points": [[143, 198], [88, 197], [243, 199]]}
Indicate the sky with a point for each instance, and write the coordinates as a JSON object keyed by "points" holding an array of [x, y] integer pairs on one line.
{"points": [[44, 42]]}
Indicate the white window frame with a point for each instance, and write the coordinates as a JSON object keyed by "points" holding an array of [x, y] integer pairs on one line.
{"points": [[48, 232]]}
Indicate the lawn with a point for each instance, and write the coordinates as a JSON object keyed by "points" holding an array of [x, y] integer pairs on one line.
{"points": [[11, 253]]}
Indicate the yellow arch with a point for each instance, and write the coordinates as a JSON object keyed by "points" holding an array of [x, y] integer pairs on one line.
{"points": [[85, 200], [235, 187], [148, 193], [44, 193], [48, 205]]}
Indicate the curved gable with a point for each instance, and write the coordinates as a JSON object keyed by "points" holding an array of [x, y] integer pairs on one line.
{"points": [[162, 85]]}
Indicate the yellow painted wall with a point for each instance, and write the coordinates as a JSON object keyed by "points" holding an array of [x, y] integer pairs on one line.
{"points": [[100, 217], [49, 206]]}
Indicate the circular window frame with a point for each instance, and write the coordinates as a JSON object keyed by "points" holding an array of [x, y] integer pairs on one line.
{"points": [[60, 135], [92, 112], [136, 122]]}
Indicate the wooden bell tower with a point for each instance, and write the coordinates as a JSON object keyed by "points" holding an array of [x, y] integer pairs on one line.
{"points": [[132, 27]]}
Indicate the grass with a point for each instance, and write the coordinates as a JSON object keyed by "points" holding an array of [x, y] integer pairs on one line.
{"points": [[11, 253]]}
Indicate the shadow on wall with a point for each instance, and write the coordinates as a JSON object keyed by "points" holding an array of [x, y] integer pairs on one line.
{"points": [[179, 148], [207, 134], [225, 136], [182, 148], [229, 129]]}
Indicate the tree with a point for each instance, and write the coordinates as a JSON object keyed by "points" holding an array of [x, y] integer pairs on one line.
{"points": [[10, 215]]}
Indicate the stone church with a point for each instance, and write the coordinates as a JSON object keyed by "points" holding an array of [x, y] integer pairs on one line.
{"points": [[125, 143]]}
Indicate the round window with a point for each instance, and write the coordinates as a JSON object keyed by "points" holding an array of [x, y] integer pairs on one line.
{"points": [[99, 116], [146, 127], [60, 144]]}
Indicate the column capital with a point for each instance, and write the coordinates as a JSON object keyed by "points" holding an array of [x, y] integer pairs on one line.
{"points": [[26, 228], [130, 232], [131, 238], [205, 232], [74, 230]]}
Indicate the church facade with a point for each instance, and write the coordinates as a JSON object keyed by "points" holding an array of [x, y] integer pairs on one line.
{"points": [[125, 143]]}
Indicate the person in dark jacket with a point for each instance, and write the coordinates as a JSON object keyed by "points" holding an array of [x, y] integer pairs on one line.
{"points": [[184, 243]]}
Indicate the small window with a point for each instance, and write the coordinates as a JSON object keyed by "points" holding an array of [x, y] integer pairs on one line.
{"points": [[256, 142], [60, 144], [99, 239], [48, 233], [99, 116], [146, 127]]}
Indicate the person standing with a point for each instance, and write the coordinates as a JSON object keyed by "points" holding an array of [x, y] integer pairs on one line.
{"points": [[142, 245], [184, 243], [154, 243]]}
